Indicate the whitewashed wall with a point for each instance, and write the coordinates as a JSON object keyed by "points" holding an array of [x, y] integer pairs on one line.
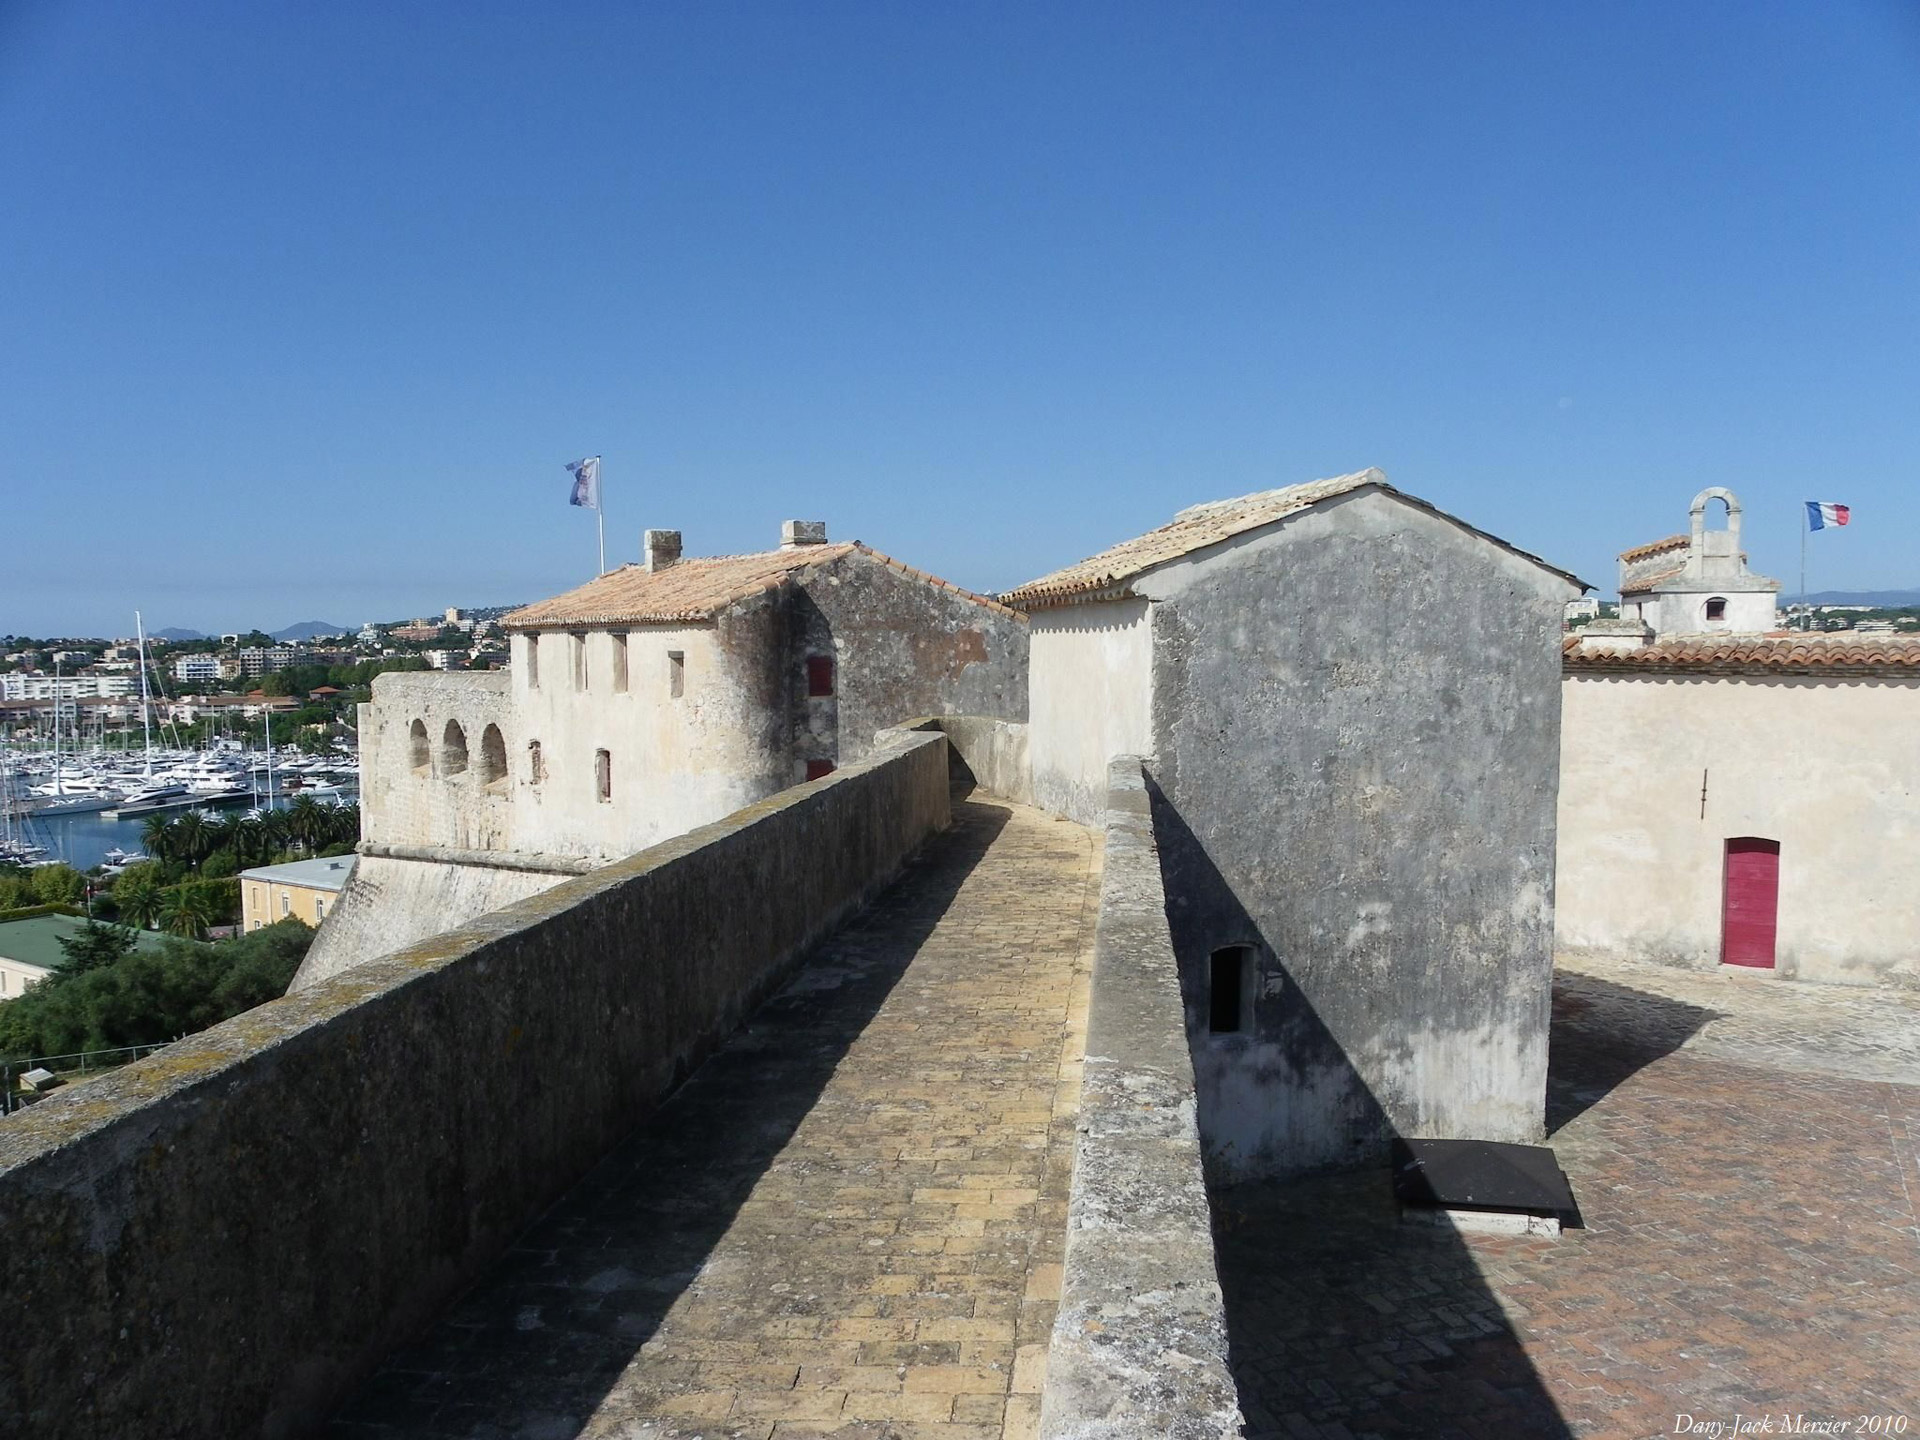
{"points": [[1829, 769], [1089, 699]]}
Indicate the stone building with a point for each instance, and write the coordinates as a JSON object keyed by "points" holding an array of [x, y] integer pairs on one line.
{"points": [[1348, 704], [641, 705], [1746, 801], [1697, 583]]}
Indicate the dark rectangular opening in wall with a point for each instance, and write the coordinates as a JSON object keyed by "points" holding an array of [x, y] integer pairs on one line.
{"points": [[817, 768], [676, 673], [1226, 989], [819, 675], [602, 775]]}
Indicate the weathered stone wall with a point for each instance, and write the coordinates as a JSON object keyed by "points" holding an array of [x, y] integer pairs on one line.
{"points": [[393, 902], [402, 802], [1356, 739], [902, 647], [985, 753], [1139, 1347], [1826, 766], [218, 1240]]}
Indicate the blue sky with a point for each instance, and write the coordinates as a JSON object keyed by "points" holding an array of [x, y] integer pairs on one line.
{"points": [[303, 307]]}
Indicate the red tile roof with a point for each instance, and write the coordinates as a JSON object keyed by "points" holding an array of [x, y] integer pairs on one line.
{"points": [[689, 591], [1784, 653], [1658, 547]]}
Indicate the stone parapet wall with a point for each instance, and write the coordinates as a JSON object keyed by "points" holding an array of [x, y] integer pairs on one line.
{"points": [[1139, 1350], [223, 1238], [987, 752]]}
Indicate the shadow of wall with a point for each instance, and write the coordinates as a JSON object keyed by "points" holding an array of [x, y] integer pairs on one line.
{"points": [[1339, 1313]]}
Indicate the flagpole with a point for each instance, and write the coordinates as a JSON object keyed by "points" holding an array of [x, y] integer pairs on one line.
{"points": [[600, 516], [1806, 524]]}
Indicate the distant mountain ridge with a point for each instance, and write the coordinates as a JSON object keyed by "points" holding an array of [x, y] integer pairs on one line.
{"points": [[1856, 597], [307, 629], [174, 632]]}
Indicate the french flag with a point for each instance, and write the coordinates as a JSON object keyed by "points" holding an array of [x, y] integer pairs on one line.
{"points": [[1820, 516]]}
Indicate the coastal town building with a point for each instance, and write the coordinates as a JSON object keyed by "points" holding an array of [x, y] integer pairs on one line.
{"points": [[304, 889], [36, 686], [641, 705], [1352, 801], [197, 669]]}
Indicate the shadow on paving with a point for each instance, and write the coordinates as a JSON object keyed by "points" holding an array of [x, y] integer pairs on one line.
{"points": [[1603, 1034], [1339, 1314], [534, 1348], [1343, 1321]]}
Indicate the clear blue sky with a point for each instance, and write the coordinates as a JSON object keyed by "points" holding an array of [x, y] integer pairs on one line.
{"points": [[304, 306]]}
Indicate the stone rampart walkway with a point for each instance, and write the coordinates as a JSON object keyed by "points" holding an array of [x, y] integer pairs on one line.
{"points": [[850, 1222]]}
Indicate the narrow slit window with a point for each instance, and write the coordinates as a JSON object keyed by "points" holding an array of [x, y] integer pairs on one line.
{"points": [[536, 763], [819, 675], [676, 673], [619, 664], [602, 775], [579, 662], [1227, 989], [533, 661]]}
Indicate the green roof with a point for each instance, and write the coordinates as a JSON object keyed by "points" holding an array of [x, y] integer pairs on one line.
{"points": [[37, 941]]}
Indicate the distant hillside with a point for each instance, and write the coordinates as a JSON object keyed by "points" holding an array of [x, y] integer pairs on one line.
{"points": [[307, 629], [1856, 597], [173, 632]]}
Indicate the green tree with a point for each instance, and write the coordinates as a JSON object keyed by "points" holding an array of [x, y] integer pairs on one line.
{"points": [[193, 838], [95, 946], [58, 885], [156, 835], [137, 895], [188, 911]]}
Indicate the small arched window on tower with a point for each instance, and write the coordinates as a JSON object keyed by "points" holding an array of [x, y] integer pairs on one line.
{"points": [[453, 749], [493, 760], [1716, 610], [419, 756]]}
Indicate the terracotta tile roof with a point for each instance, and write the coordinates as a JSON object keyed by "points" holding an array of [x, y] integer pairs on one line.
{"points": [[1658, 547], [1108, 575], [698, 589], [1781, 653]]}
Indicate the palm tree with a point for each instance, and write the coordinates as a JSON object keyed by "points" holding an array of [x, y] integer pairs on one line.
{"points": [[251, 843], [192, 837], [156, 834], [308, 821], [188, 911], [346, 825], [137, 895]]}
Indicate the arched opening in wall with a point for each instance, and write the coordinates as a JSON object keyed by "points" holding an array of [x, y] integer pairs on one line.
{"points": [[493, 760], [1229, 989], [419, 756], [536, 763], [453, 749], [1716, 608]]}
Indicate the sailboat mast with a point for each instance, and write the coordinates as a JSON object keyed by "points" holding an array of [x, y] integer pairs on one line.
{"points": [[146, 708]]}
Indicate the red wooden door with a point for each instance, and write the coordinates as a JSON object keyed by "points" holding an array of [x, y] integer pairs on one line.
{"points": [[1750, 908]]}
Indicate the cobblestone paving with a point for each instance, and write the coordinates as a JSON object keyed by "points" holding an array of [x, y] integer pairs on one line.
{"points": [[1751, 1243], [850, 1222], [1853, 1031]]}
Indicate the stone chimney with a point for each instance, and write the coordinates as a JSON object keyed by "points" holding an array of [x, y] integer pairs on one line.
{"points": [[795, 533], [1615, 637], [662, 547]]}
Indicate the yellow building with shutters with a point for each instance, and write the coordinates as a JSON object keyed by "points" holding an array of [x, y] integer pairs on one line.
{"points": [[304, 888]]}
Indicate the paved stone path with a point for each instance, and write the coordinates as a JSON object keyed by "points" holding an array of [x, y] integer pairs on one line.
{"points": [[850, 1222], [1748, 1176]]}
